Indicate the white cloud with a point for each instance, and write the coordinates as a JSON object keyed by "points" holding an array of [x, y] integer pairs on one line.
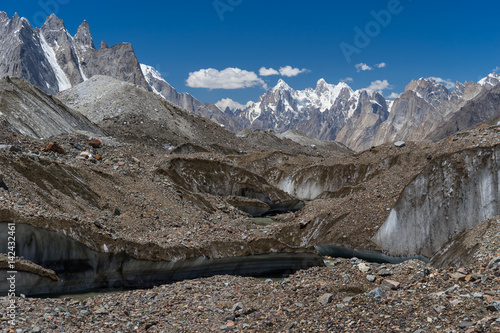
{"points": [[393, 95], [229, 103], [268, 71], [449, 84], [288, 71], [496, 70], [347, 79], [363, 67], [379, 85], [229, 78], [381, 65]]}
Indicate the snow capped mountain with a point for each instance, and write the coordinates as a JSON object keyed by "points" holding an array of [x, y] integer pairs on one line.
{"points": [[490, 81], [53, 60], [321, 112]]}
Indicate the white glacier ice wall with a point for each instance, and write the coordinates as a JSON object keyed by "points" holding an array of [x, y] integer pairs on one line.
{"points": [[452, 195]]}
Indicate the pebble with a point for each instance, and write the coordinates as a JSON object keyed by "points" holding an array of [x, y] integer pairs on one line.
{"points": [[371, 278], [377, 293], [325, 298]]}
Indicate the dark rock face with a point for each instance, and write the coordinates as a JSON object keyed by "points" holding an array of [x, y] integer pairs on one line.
{"points": [[51, 59], [485, 107], [22, 54]]}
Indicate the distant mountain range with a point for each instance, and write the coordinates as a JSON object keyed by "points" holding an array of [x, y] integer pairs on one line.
{"points": [[53, 60]]}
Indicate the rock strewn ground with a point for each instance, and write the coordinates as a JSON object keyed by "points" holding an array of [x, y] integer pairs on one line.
{"points": [[331, 299]]}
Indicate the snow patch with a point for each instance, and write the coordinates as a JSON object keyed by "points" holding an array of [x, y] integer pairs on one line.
{"points": [[62, 79]]}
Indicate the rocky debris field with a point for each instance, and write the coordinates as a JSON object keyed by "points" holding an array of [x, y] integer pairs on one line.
{"points": [[112, 193], [349, 295]]}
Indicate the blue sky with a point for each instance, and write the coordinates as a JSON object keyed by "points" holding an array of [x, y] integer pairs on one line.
{"points": [[408, 39]]}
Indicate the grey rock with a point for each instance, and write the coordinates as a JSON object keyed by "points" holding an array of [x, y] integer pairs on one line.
{"points": [[438, 308], [84, 312], [494, 261], [238, 306], [494, 307], [2, 183], [465, 324], [384, 272], [36, 329], [377, 293], [371, 278], [325, 298], [399, 144]]}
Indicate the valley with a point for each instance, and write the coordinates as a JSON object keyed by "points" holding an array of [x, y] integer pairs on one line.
{"points": [[117, 183]]}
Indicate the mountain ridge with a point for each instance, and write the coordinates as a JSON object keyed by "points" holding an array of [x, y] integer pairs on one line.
{"points": [[53, 60]]}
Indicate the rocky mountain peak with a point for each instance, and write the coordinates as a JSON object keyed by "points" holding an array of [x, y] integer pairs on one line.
{"points": [[429, 90], [83, 37], [490, 81], [54, 23], [4, 17], [282, 85], [321, 84], [459, 89]]}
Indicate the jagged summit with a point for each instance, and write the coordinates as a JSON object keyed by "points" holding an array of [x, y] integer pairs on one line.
{"points": [[490, 81], [53, 60], [54, 22], [282, 85], [83, 36]]}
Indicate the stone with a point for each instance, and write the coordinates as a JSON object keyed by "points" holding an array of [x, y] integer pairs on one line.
{"points": [[325, 298], [438, 308], [94, 143], [384, 272], [2, 183], [371, 278], [390, 284], [55, 148], [465, 324], [494, 307], [399, 144], [238, 306], [77, 146], [230, 324], [494, 261], [347, 299], [84, 312], [363, 267], [458, 276], [36, 329], [377, 293]]}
